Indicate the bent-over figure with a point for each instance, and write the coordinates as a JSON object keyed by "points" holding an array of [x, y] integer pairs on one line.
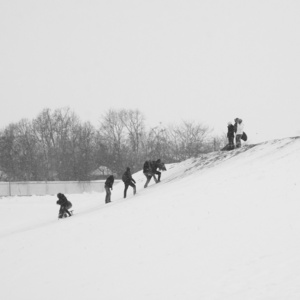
{"points": [[65, 205], [150, 170]]}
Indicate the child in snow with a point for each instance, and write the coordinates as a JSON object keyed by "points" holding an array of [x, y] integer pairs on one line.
{"points": [[65, 205], [109, 186]]}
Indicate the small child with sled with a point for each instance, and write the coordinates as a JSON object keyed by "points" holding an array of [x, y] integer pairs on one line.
{"points": [[65, 205]]}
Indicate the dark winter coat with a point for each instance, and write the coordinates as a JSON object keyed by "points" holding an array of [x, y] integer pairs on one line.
{"points": [[231, 130], [147, 168], [109, 181], [63, 201], [157, 164], [235, 126], [127, 177], [151, 166]]}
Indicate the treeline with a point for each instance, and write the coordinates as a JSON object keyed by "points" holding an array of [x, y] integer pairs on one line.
{"points": [[56, 145]]}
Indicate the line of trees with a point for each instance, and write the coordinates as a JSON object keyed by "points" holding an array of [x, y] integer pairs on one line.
{"points": [[56, 145]]}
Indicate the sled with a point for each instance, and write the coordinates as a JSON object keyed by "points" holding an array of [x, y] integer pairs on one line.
{"points": [[65, 215]]}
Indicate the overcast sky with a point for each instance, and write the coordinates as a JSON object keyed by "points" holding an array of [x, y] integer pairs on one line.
{"points": [[208, 61]]}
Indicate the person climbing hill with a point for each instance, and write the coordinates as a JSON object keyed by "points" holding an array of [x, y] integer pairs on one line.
{"points": [[128, 181], [150, 170], [108, 187]]}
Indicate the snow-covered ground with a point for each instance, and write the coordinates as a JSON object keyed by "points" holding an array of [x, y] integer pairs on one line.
{"points": [[222, 226]]}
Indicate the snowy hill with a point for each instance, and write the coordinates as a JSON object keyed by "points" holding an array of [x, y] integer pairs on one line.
{"points": [[222, 226]]}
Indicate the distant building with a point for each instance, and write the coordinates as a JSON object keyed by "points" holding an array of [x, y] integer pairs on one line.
{"points": [[101, 173]]}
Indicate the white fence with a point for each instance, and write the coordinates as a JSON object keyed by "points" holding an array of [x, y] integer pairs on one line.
{"points": [[29, 188]]}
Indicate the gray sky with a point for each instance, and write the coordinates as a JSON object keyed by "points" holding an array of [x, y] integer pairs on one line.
{"points": [[208, 61]]}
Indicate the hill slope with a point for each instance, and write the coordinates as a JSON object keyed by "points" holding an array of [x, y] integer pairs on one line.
{"points": [[222, 226]]}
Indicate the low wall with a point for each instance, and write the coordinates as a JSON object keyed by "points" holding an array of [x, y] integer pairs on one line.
{"points": [[30, 188]]}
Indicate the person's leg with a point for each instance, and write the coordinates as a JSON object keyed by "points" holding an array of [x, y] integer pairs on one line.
{"points": [[67, 211], [108, 193], [148, 180], [125, 189], [133, 186], [238, 140], [158, 176], [61, 212], [230, 143], [64, 211]]}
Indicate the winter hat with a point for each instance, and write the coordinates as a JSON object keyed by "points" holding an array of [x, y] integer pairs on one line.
{"points": [[229, 123]]}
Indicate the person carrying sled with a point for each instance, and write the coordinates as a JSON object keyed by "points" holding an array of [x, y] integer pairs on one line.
{"points": [[128, 181], [230, 136], [108, 187], [65, 205], [239, 130], [150, 170]]}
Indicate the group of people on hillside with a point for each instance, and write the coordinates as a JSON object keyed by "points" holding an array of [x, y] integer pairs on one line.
{"points": [[150, 169], [236, 131], [126, 178]]}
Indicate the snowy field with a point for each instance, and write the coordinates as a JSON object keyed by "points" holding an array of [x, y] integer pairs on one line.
{"points": [[222, 226]]}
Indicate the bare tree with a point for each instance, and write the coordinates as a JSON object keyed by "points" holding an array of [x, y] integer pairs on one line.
{"points": [[57, 146], [29, 156], [8, 161], [113, 131], [189, 139], [134, 122], [54, 131], [157, 144], [84, 149], [65, 127], [44, 131]]}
